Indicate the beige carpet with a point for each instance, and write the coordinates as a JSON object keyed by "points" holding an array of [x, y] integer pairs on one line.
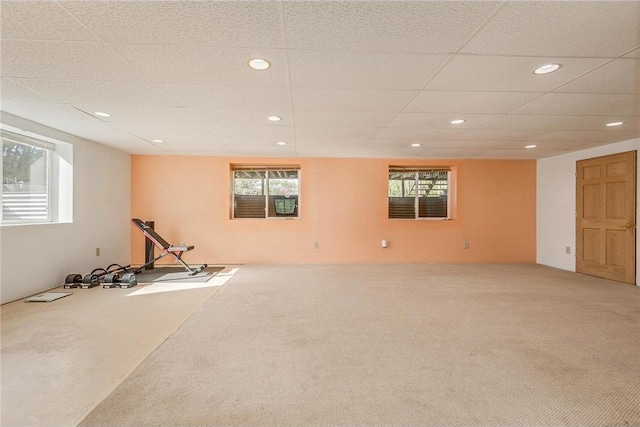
{"points": [[395, 345]]}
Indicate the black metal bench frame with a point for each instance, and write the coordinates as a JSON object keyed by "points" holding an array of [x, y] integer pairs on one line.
{"points": [[167, 249]]}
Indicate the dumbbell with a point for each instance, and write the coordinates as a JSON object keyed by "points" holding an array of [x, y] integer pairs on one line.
{"points": [[72, 278]]}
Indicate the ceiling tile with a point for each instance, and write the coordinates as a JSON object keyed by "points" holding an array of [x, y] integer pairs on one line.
{"points": [[339, 100], [577, 104], [499, 135], [559, 28], [357, 70], [344, 119], [523, 154], [215, 23], [534, 122], [427, 27], [618, 76], [502, 73], [333, 143], [631, 111], [229, 97], [335, 132], [14, 92], [445, 153], [99, 93], [419, 134], [169, 132], [40, 20], [328, 152], [468, 102], [439, 121], [633, 54], [389, 153], [206, 64], [588, 136], [471, 145], [599, 123], [263, 133], [64, 61]]}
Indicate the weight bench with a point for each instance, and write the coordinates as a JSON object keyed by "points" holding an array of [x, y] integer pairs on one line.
{"points": [[166, 248]]}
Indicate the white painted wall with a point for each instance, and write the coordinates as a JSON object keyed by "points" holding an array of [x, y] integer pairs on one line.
{"points": [[35, 258], [556, 205]]}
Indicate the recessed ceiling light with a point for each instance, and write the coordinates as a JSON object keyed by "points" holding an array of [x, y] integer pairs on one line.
{"points": [[281, 143], [101, 114], [530, 146], [416, 145], [274, 118], [259, 64], [158, 140], [612, 124], [457, 121], [546, 69]]}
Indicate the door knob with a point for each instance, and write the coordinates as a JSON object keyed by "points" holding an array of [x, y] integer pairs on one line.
{"points": [[628, 225]]}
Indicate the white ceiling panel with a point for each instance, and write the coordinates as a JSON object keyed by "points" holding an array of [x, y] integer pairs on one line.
{"points": [[362, 70], [471, 145], [215, 23], [99, 93], [344, 119], [578, 104], [500, 135], [618, 76], [335, 132], [31, 20], [600, 123], [508, 73], [229, 97], [350, 100], [419, 134], [468, 102], [261, 133], [599, 137], [534, 122], [446, 153], [427, 27], [348, 78], [64, 61], [205, 64], [631, 111], [523, 154], [560, 28], [11, 91], [439, 121]]}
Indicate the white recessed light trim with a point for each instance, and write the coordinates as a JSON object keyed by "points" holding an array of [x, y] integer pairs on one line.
{"points": [[281, 143], [157, 140], [102, 114], [612, 124], [274, 118], [457, 121], [547, 68], [259, 64], [530, 146], [416, 145]]}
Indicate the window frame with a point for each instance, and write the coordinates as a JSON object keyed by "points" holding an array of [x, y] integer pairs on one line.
{"points": [[417, 170], [59, 204], [265, 190]]}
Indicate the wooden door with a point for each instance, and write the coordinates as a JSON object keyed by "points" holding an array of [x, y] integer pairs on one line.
{"points": [[606, 217]]}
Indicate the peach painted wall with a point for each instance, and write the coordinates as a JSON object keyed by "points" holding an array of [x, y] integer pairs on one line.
{"points": [[343, 206]]}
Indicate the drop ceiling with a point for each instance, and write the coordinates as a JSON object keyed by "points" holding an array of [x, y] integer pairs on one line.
{"points": [[348, 79]]}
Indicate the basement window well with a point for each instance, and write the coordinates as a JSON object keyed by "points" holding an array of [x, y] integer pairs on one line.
{"points": [[37, 179]]}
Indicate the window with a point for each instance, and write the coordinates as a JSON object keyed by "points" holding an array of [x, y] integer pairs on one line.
{"points": [[32, 171], [266, 192], [416, 193]]}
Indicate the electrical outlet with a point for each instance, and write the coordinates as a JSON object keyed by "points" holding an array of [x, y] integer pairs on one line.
{"points": [[97, 251], [315, 245], [567, 249], [465, 245]]}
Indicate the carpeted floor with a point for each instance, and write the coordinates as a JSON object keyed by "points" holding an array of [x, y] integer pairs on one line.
{"points": [[176, 274], [395, 345]]}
